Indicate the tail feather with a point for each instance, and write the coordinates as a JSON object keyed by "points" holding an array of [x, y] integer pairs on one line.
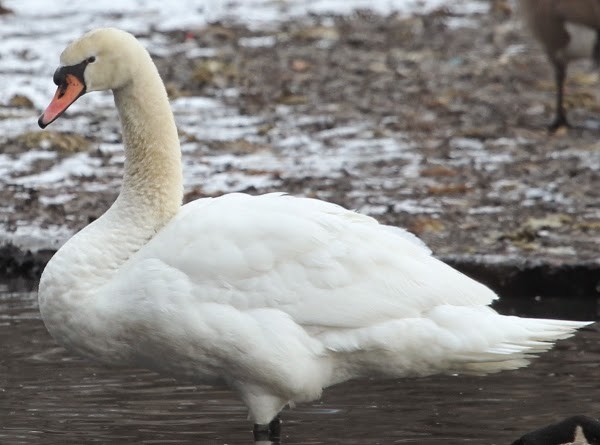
{"points": [[539, 336], [447, 339]]}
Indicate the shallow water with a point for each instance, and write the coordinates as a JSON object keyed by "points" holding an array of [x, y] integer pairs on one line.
{"points": [[47, 396]]}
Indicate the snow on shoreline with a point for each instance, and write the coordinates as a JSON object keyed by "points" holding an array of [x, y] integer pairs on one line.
{"points": [[32, 38]]}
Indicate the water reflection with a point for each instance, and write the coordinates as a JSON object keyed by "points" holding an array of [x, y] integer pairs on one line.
{"points": [[48, 396]]}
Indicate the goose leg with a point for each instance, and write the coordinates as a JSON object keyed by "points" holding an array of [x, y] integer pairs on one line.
{"points": [[560, 120], [269, 431]]}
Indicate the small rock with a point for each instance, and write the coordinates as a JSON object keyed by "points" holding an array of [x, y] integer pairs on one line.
{"points": [[214, 72], [447, 189], [317, 33], [553, 221], [20, 101], [300, 65], [425, 224], [438, 170], [64, 143], [292, 99]]}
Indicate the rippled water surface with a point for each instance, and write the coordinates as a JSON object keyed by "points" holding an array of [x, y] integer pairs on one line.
{"points": [[47, 396]]}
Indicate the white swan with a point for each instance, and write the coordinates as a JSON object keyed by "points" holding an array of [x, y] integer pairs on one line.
{"points": [[279, 297]]}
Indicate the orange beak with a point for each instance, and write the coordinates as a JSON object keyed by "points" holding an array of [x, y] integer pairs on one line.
{"points": [[67, 93]]}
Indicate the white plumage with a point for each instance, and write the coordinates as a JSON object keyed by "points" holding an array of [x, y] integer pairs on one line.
{"points": [[277, 296]]}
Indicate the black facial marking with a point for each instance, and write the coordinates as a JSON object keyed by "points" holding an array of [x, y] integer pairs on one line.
{"points": [[60, 74]]}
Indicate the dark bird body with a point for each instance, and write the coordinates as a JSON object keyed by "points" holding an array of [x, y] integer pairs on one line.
{"points": [[567, 30], [576, 430]]}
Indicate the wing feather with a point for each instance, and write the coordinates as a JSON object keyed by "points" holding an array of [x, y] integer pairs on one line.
{"points": [[319, 263]]}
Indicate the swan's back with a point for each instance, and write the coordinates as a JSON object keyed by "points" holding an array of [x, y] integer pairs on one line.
{"points": [[320, 263]]}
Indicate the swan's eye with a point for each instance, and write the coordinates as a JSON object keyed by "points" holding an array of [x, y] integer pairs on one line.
{"points": [[91, 59]]}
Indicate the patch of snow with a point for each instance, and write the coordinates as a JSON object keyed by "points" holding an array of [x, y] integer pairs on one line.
{"points": [[485, 210], [340, 131], [32, 237], [79, 165], [23, 162], [562, 250], [466, 144], [32, 38], [258, 42], [57, 200], [507, 142], [373, 210], [413, 206]]}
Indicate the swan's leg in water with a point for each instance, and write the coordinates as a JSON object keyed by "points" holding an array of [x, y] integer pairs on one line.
{"points": [[268, 431], [263, 408]]}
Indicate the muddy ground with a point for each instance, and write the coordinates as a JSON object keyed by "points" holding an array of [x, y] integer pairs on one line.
{"points": [[468, 97]]}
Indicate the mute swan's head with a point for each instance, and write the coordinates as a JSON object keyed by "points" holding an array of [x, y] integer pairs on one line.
{"points": [[102, 59]]}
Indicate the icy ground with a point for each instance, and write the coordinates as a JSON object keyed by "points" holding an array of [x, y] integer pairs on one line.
{"points": [[426, 114], [30, 43]]}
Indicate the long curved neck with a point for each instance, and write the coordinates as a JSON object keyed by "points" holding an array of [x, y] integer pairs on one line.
{"points": [[76, 284], [150, 196], [152, 183]]}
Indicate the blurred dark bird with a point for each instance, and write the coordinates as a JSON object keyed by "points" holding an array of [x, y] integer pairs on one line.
{"points": [[568, 30], [576, 430]]}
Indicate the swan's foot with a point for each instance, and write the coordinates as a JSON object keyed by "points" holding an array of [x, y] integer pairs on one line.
{"points": [[268, 431]]}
